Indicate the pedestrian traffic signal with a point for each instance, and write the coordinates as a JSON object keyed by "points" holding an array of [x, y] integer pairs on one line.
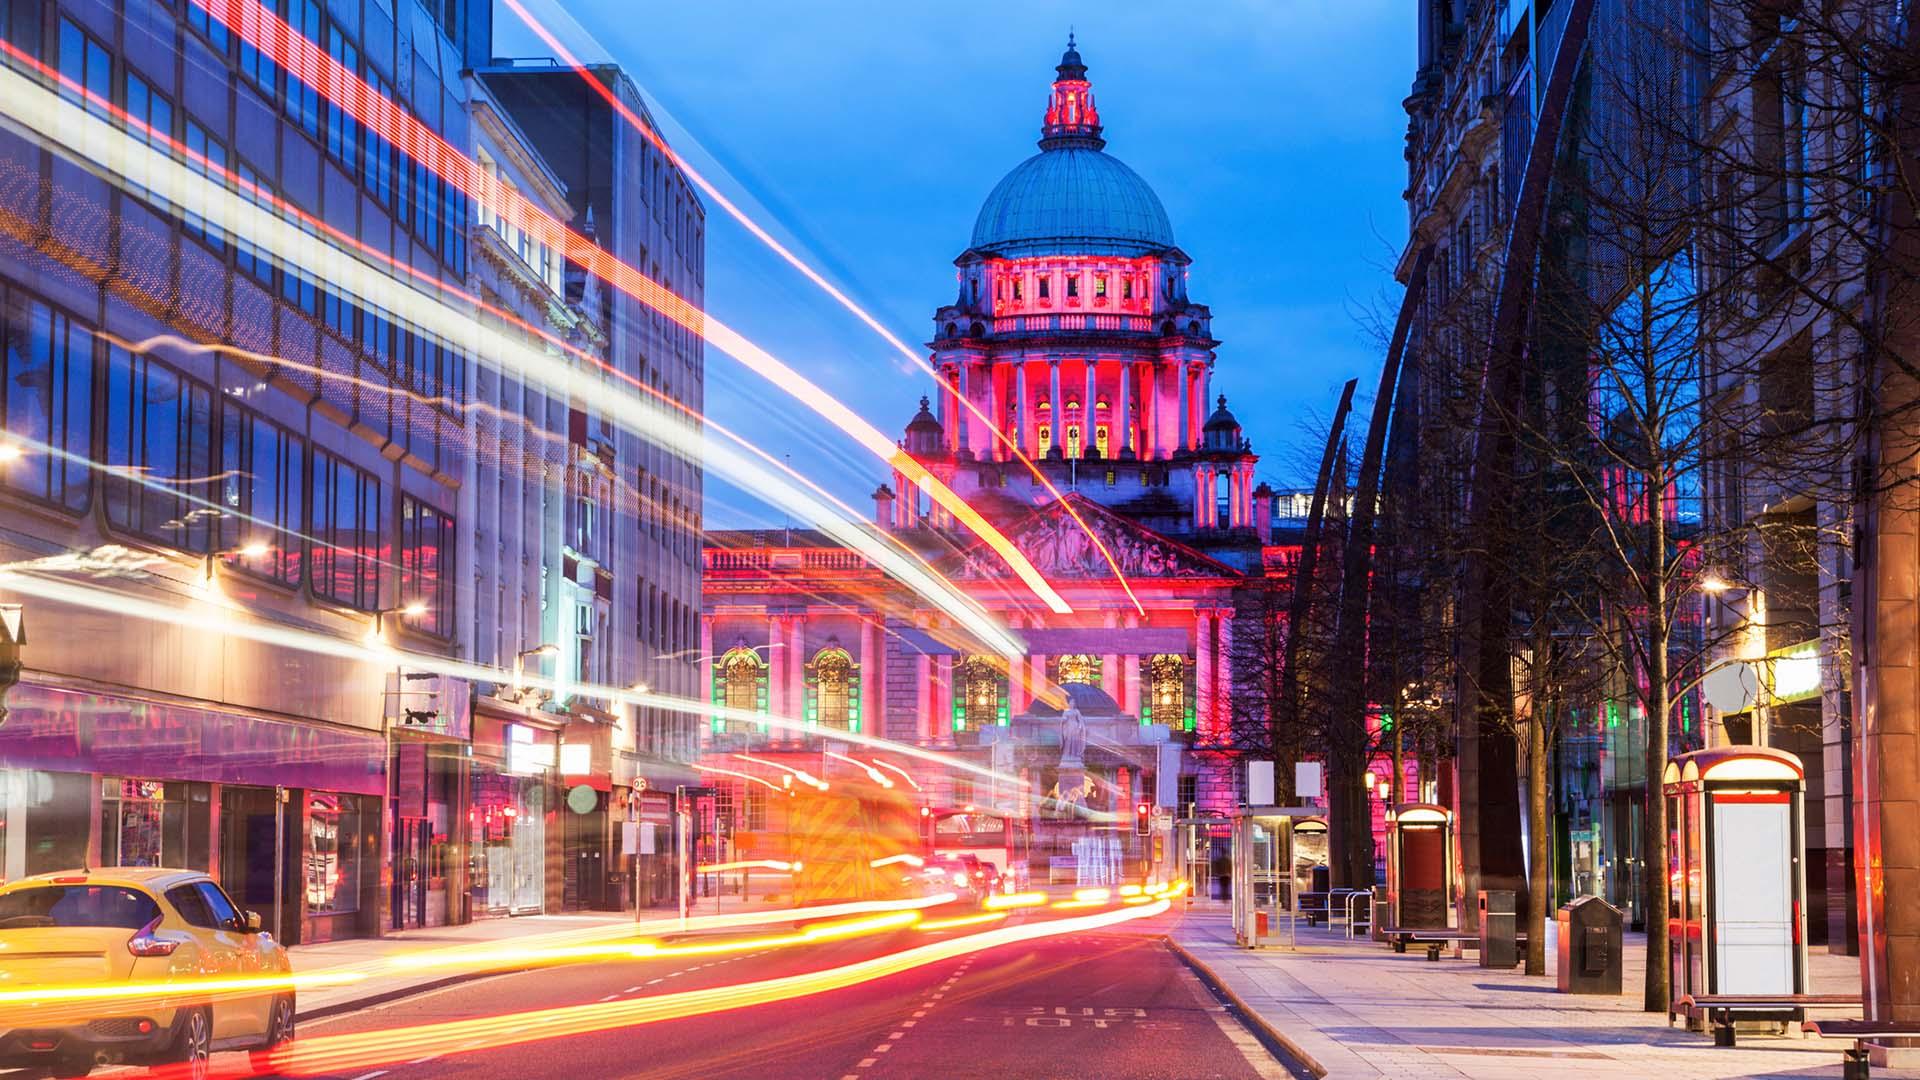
{"points": [[1143, 819]]}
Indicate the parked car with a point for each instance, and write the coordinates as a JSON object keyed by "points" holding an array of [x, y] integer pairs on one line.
{"points": [[947, 873], [135, 925]]}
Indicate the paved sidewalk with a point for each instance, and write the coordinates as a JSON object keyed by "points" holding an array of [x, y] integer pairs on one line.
{"points": [[1364, 1011]]}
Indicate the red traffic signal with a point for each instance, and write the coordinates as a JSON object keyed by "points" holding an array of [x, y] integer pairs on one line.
{"points": [[1143, 819]]}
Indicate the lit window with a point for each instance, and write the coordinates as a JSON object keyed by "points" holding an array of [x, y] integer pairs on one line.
{"points": [[740, 683], [833, 681], [983, 694], [1082, 668], [1167, 691], [1100, 286]]}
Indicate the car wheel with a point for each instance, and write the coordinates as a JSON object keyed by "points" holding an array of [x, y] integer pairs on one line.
{"points": [[193, 1043], [280, 1022]]}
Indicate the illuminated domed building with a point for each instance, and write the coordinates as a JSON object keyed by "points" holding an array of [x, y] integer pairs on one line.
{"points": [[1075, 412]]}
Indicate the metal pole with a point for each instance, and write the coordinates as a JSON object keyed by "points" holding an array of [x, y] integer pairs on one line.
{"points": [[680, 850], [279, 859]]}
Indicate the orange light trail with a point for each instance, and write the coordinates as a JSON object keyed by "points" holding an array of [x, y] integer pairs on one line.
{"points": [[752, 864], [305, 60], [1014, 900], [320, 1055], [761, 780], [934, 925], [873, 774], [806, 270], [891, 767], [64, 122], [896, 860]]}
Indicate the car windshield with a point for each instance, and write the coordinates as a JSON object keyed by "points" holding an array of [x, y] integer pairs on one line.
{"points": [[77, 905]]}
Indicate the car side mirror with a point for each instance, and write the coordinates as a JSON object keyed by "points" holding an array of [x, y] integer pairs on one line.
{"points": [[250, 921]]}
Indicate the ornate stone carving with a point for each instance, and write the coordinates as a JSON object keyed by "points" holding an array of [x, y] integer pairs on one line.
{"points": [[1060, 548]]}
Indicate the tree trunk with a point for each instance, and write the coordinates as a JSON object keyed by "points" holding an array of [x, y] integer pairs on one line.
{"points": [[1653, 840], [1538, 822]]}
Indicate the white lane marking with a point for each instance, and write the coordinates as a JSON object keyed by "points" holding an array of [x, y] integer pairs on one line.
{"points": [[866, 1063], [650, 982], [630, 989], [897, 1035], [371, 1075], [424, 1060], [883, 1048], [609, 997], [920, 1014], [908, 1023]]}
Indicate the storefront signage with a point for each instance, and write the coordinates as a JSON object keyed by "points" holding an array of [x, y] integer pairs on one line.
{"points": [[1795, 673], [529, 753], [427, 703], [68, 731], [582, 799]]}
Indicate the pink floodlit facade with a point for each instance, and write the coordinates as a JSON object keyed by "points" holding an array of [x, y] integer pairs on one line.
{"points": [[1075, 411]]}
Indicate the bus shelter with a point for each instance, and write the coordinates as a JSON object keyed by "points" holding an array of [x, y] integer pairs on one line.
{"points": [[1737, 882], [1420, 880], [1263, 869], [1309, 853]]}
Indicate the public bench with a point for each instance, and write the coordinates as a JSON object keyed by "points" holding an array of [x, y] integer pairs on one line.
{"points": [[1855, 1064], [1434, 939], [1720, 1008]]}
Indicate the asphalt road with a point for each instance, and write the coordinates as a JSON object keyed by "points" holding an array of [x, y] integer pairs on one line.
{"points": [[1111, 1004]]}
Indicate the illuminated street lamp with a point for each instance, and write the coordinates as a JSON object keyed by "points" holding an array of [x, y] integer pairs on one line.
{"points": [[412, 609], [520, 663], [10, 453]]}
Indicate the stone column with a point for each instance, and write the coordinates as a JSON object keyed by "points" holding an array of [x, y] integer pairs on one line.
{"points": [[1186, 404], [797, 669], [1223, 669], [1089, 416], [1123, 411], [922, 696], [1203, 674], [1110, 663], [705, 689], [996, 414], [962, 416], [942, 700], [777, 650], [1130, 689], [873, 675], [1057, 409], [1024, 432]]}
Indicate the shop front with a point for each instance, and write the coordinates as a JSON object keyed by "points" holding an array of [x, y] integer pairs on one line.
{"points": [[513, 815], [286, 815], [590, 877], [430, 831]]}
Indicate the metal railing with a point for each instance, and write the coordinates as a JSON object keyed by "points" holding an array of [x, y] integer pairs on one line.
{"points": [[1356, 925]]}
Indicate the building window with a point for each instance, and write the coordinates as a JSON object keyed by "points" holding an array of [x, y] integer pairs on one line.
{"points": [[1073, 286], [345, 511], [344, 133], [1082, 668], [832, 687], [302, 103], [1100, 286], [1126, 287], [1100, 440], [426, 553], [983, 698], [1045, 440], [1043, 286], [46, 401], [262, 494], [333, 854], [1073, 440], [86, 65], [1167, 692], [740, 684], [208, 157], [159, 443]]}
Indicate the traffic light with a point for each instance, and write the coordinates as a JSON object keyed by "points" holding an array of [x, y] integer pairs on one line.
{"points": [[1143, 819]]}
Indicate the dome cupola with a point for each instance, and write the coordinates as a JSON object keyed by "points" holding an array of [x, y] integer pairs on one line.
{"points": [[925, 436], [1072, 198], [1222, 431]]}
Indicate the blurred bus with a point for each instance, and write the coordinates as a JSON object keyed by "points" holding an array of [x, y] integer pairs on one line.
{"points": [[993, 838]]}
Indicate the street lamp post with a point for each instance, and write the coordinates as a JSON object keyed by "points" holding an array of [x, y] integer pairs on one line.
{"points": [[13, 635], [520, 663]]}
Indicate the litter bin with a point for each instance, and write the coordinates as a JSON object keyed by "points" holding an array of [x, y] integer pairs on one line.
{"points": [[1590, 957], [1498, 929]]}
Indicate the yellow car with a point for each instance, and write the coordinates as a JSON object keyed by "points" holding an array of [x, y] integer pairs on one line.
{"points": [[134, 965]]}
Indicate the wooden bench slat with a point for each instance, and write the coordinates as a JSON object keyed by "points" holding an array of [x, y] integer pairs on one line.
{"points": [[1863, 1029]]}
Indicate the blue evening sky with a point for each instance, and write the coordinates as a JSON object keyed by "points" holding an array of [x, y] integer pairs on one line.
{"points": [[871, 130]]}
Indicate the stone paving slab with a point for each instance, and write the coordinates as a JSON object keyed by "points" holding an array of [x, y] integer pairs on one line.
{"points": [[1364, 1012]]}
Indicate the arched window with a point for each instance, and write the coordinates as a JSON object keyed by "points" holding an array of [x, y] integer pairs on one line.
{"points": [[832, 689], [1167, 692], [982, 684], [1073, 440], [1100, 440], [1045, 440], [1081, 668], [739, 682]]}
